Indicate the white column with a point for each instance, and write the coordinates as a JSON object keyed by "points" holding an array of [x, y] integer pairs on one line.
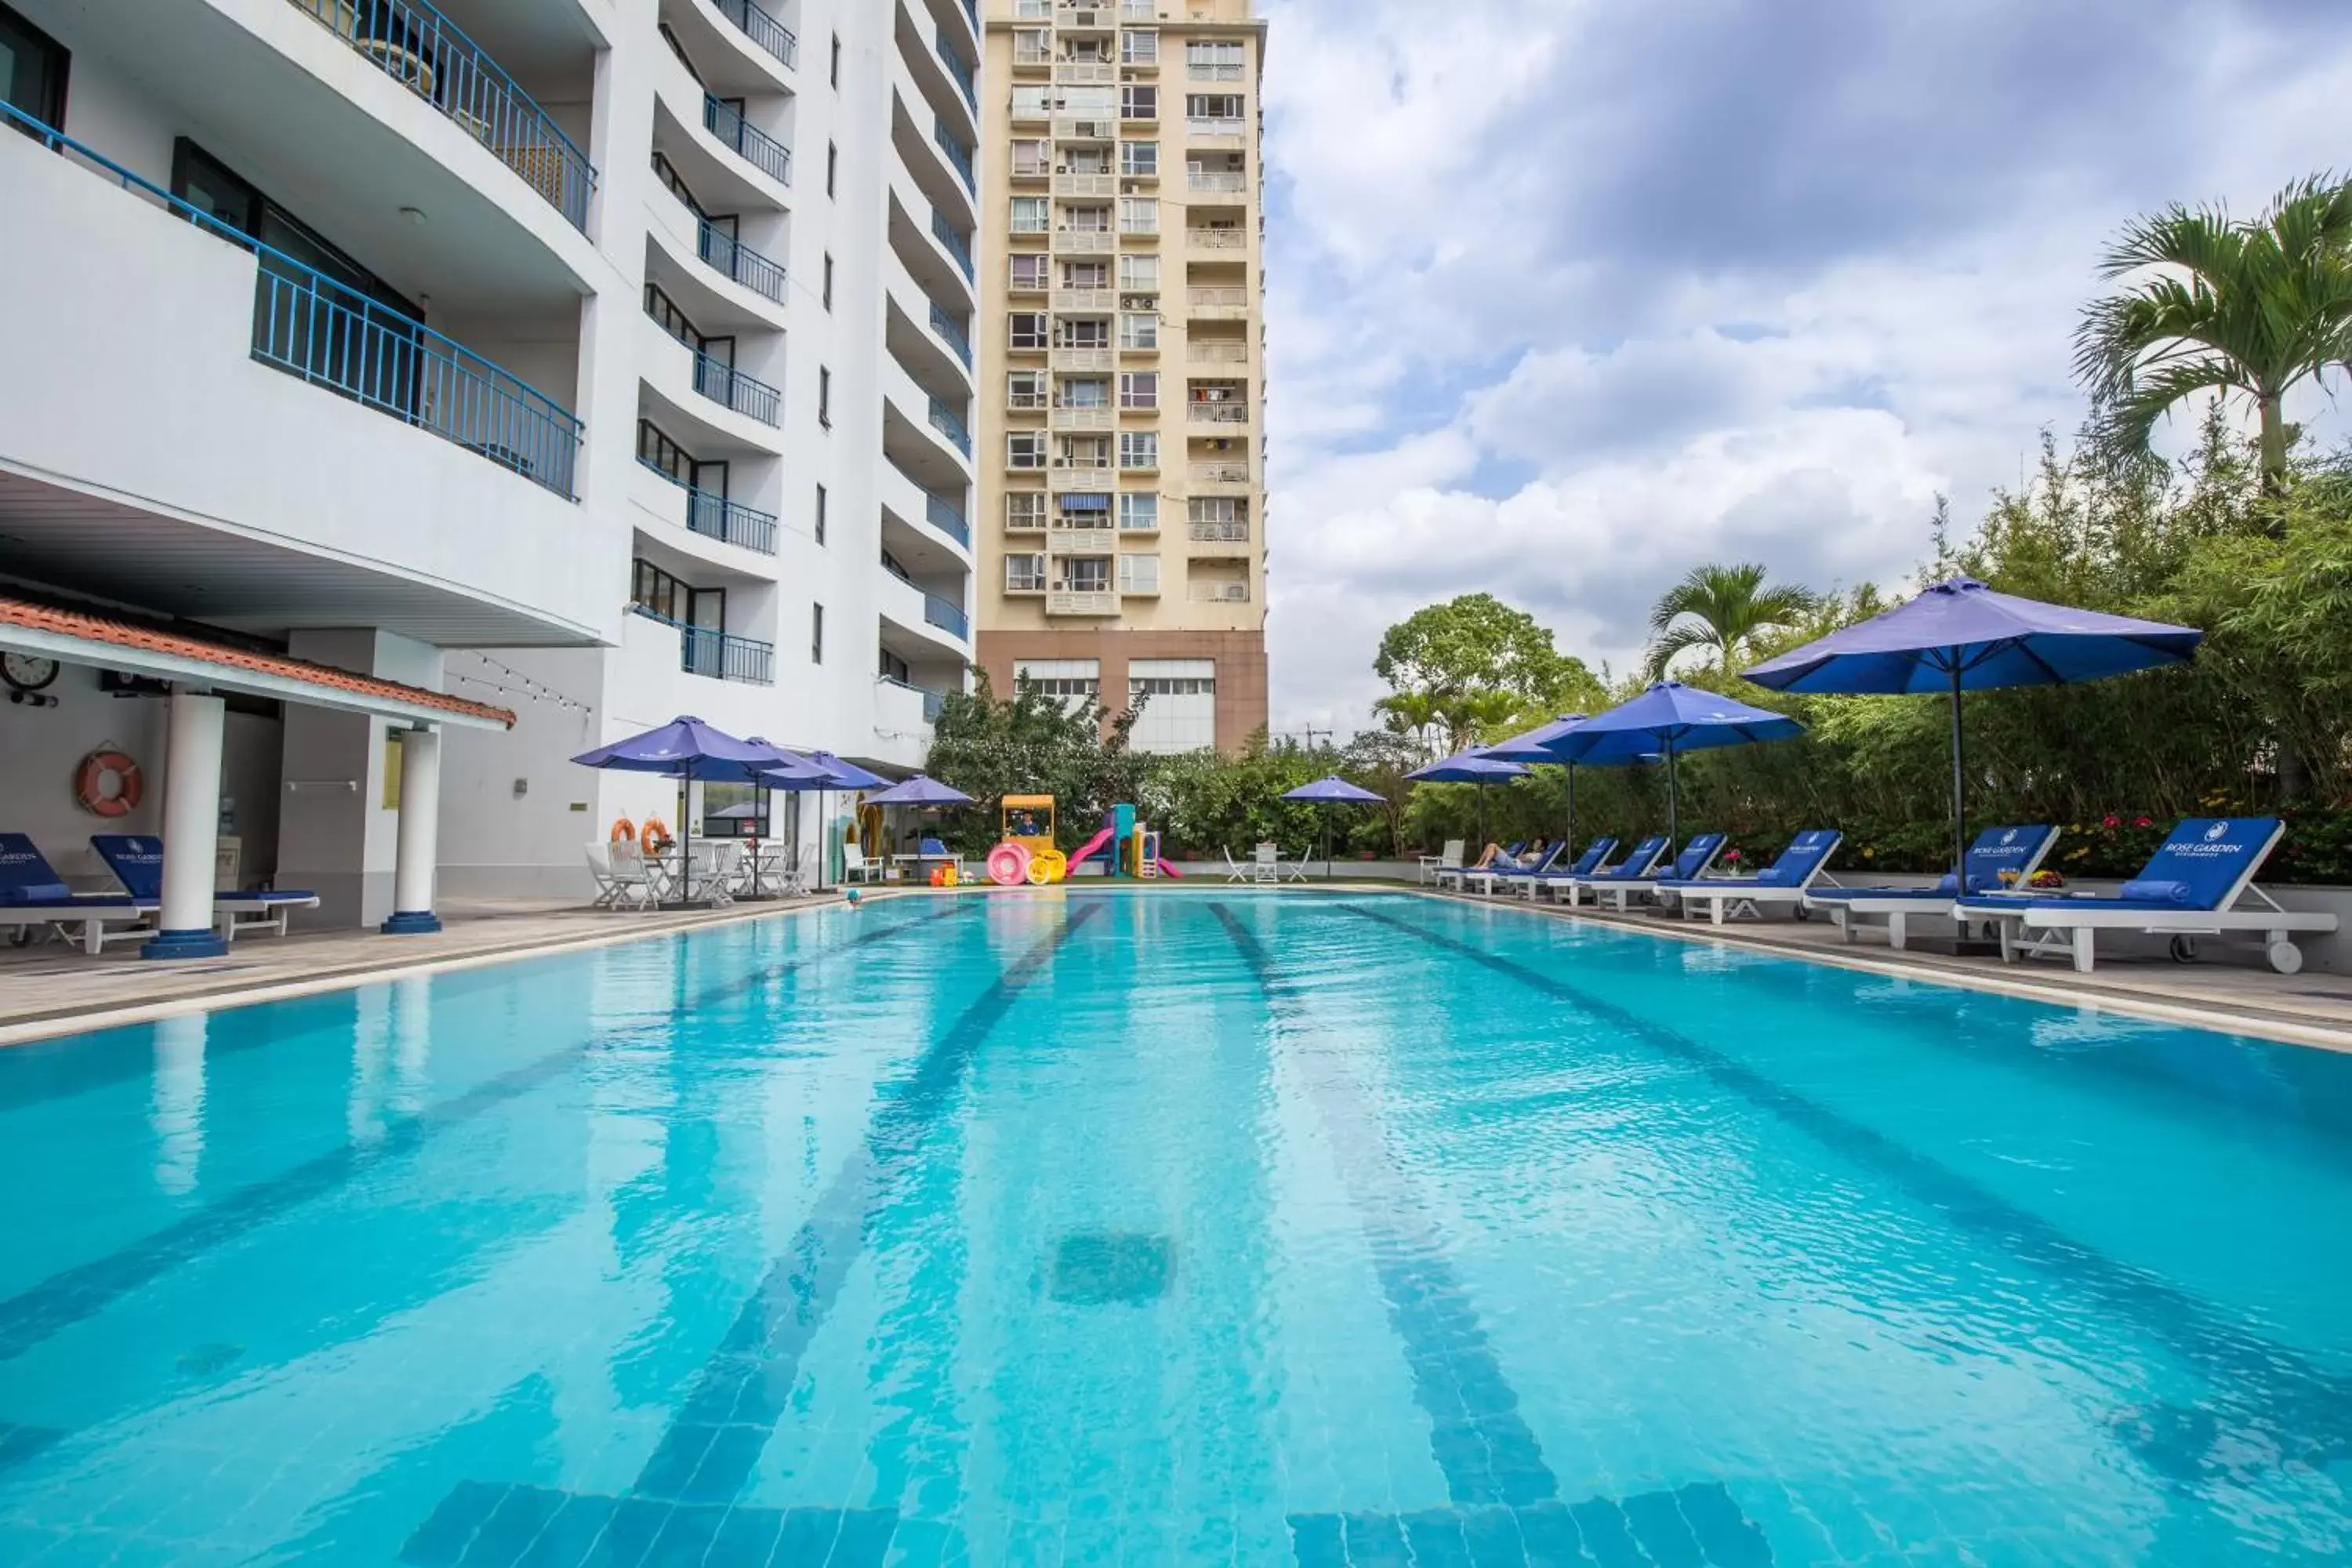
{"points": [[420, 834], [192, 775]]}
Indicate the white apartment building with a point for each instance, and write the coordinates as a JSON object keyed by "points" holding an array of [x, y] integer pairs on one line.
{"points": [[593, 361]]}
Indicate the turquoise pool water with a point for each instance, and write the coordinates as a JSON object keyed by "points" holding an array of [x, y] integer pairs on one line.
{"points": [[1172, 1229]]}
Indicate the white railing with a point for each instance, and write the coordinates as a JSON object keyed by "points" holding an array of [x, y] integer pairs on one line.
{"points": [[1068, 185], [1217, 353], [1082, 541], [1080, 359], [1137, 11], [1085, 73], [1216, 239], [1201, 129], [1082, 464], [1101, 299], [1219, 473], [1147, 226], [1029, 49], [1218, 295], [1220, 414], [1089, 419], [1200, 70], [1235, 531], [1068, 603], [1073, 130], [1030, 168], [1025, 402], [1025, 524], [1219, 594], [1085, 242], [1021, 583], [1217, 181]]}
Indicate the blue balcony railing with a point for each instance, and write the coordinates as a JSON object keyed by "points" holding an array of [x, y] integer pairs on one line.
{"points": [[424, 51], [741, 262], [715, 516], [309, 325], [947, 614], [942, 515], [958, 242], [723, 382], [949, 423], [959, 155], [957, 68], [762, 29], [951, 332], [934, 702], [758, 149], [718, 655]]}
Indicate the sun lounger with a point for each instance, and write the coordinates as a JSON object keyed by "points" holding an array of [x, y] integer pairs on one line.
{"points": [[32, 896], [2017, 851], [1622, 888], [137, 861], [1450, 860], [2199, 882], [1456, 873], [1488, 881], [1595, 854], [1779, 887], [1640, 862]]}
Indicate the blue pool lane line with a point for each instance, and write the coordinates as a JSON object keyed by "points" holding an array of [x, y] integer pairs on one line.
{"points": [[1506, 1507], [66, 1298], [681, 1507], [2302, 1410]]}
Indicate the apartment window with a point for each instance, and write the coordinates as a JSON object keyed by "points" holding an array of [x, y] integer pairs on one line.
{"points": [[1138, 330], [832, 74], [1085, 220], [1093, 332], [1085, 392], [1024, 573], [1214, 106], [657, 451], [828, 279], [1032, 215], [1138, 448], [658, 592], [1032, 10], [817, 634], [832, 167], [1027, 330], [825, 396], [1024, 450], [1214, 59], [1025, 508], [1086, 452], [32, 71], [1024, 389], [1138, 389], [1031, 102], [1139, 160], [1139, 274], [1032, 157], [1140, 48], [1029, 46], [1031, 274], [1083, 509], [1086, 275], [1139, 512], [1077, 681], [1139, 574], [820, 513], [1139, 102], [1086, 574], [1087, 102], [1139, 215]]}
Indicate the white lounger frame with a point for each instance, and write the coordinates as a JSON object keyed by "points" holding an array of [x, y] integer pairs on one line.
{"points": [[93, 925], [1734, 896], [1899, 911]]}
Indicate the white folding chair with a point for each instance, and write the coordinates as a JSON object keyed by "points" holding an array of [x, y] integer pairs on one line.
{"points": [[1265, 864], [633, 878], [599, 871], [1234, 870]]}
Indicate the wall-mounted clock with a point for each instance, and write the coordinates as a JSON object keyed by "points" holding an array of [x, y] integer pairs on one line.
{"points": [[28, 672]]}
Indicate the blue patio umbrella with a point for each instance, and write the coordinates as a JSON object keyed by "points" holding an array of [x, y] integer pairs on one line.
{"points": [[1666, 721], [920, 790], [1472, 766], [838, 775], [1535, 746], [1326, 791], [686, 749], [1962, 636], [791, 771]]}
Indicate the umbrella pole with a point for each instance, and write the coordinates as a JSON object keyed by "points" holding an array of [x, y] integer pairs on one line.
{"points": [[1959, 792], [1570, 842], [685, 839], [1673, 801], [821, 838], [1482, 817]]}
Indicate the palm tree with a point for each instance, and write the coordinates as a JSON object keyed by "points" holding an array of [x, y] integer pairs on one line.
{"points": [[1723, 609], [1412, 713], [2248, 310]]}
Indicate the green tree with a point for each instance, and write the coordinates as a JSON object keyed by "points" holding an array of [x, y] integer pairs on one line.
{"points": [[1448, 662], [2246, 309], [1725, 610], [1032, 743]]}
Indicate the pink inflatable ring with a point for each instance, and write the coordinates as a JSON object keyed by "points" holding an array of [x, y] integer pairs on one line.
{"points": [[1008, 864]]}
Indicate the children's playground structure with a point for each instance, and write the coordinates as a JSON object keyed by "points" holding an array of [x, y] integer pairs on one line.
{"points": [[1125, 847]]}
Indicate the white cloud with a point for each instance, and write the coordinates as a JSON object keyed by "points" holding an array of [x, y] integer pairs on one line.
{"points": [[1565, 302]]}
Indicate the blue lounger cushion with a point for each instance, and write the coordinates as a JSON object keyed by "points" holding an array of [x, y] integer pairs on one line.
{"points": [[137, 861], [1597, 851], [1639, 862], [1997, 849], [2153, 890], [1696, 856], [27, 881], [2201, 865], [1802, 859]]}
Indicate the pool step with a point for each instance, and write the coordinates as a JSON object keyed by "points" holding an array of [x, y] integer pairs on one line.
{"points": [[1688, 1527]]}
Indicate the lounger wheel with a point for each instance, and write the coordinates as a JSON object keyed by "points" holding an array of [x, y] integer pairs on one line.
{"points": [[1802, 912], [2184, 949], [2285, 956]]}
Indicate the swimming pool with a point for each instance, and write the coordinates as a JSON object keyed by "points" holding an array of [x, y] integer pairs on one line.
{"points": [[1189, 1227]]}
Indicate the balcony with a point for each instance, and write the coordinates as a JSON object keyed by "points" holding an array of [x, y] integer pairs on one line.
{"points": [[1218, 414], [949, 423], [959, 155], [720, 655], [1085, 73], [1218, 473], [761, 29], [1081, 602], [1216, 239], [1225, 531], [1212, 71], [959, 244], [1218, 301], [1073, 541], [753, 146], [737, 260], [424, 51], [1065, 361], [944, 613], [1070, 129], [1088, 416], [942, 514], [730, 387], [934, 703], [1218, 592], [1083, 242], [1215, 130], [1217, 182], [715, 516], [1090, 302], [1085, 183], [961, 72], [1199, 353], [951, 332]]}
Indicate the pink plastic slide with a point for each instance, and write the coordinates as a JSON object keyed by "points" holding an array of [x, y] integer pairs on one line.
{"points": [[1085, 851], [1167, 870]]}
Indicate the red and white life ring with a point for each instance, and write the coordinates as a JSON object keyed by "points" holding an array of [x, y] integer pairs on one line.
{"points": [[91, 785]]}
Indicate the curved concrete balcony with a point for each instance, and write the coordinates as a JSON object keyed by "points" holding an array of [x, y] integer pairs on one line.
{"points": [[941, 164], [729, 163], [939, 68], [738, 46], [740, 409], [691, 262], [919, 624]]}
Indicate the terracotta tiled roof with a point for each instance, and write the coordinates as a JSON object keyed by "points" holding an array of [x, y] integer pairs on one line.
{"points": [[128, 634]]}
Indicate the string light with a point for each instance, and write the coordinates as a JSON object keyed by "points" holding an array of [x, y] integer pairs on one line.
{"points": [[528, 689]]}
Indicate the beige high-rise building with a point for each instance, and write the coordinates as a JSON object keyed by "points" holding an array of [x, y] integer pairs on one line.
{"points": [[1121, 528]]}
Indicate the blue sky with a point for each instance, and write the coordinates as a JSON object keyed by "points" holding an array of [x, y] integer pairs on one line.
{"points": [[1566, 296]]}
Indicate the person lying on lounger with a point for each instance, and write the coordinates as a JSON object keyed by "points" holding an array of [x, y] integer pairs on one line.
{"points": [[1497, 858]]}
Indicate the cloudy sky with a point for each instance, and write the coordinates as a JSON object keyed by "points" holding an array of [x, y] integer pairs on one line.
{"points": [[1569, 295]]}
